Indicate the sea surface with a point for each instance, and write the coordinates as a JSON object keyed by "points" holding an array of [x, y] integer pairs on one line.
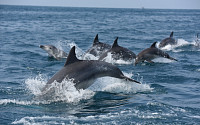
{"points": [[170, 90]]}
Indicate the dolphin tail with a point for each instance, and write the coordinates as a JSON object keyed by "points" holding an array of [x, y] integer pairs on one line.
{"points": [[129, 79]]}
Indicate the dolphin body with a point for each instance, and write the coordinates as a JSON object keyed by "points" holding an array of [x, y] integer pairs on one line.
{"points": [[151, 53], [54, 52], [98, 48], [167, 41], [119, 52], [85, 72]]}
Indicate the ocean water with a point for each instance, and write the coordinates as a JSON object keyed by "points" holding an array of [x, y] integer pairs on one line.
{"points": [[169, 93]]}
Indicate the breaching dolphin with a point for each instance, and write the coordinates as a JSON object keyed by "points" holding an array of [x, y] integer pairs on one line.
{"points": [[84, 72], [98, 48], [119, 53], [54, 52], [167, 41], [151, 53]]}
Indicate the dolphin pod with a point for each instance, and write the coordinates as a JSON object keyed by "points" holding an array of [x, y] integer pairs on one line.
{"points": [[85, 72]]}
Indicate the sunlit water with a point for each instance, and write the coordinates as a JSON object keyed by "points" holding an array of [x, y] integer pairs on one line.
{"points": [[169, 93]]}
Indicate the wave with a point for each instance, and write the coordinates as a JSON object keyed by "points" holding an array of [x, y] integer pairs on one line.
{"points": [[141, 114], [21, 102]]}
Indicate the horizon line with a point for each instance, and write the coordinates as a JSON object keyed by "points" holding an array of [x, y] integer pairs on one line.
{"points": [[99, 7]]}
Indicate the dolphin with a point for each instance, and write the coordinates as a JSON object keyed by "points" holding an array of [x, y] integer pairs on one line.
{"points": [[118, 52], [170, 40], [151, 53], [85, 72], [98, 48], [54, 52]]}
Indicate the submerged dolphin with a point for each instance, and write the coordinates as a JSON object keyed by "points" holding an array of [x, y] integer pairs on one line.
{"points": [[53, 51], [98, 48], [167, 41], [119, 53], [151, 53], [84, 72]]}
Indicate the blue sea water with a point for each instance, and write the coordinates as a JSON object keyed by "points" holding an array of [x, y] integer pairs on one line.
{"points": [[169, 93]]}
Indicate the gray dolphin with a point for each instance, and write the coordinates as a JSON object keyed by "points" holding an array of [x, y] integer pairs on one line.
{"points": [[119, 52], [151, 53], [170, 40], [84, 72], [53, 51], [98, 48]]}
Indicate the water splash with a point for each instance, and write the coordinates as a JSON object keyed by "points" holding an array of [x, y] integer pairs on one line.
{"points": [[109, 59], [66, 45], [89, 56], [66, 91], [114, 85], [163, 60], [180, 43]]}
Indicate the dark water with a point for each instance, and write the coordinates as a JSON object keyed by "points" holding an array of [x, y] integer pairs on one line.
{"points": [[170, 93]]}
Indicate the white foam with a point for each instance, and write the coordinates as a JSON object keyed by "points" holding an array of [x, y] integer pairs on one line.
{"points": [[35, 84], [114, 85], [41, 120], [22, 102], [89, 56], [180, 42], [162, 60], [68, 44], [79, 51], [66, 91]]}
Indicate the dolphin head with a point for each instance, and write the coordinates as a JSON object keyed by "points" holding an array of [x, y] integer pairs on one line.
{"points": [[50, 49], [138, 59]]}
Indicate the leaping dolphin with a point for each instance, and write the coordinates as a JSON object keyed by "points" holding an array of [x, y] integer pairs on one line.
{"points": [[151, 53], [167, 41], [118, 52], [54, 52], [85, 72], [98, 48]]}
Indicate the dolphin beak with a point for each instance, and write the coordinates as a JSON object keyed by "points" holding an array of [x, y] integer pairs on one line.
{"points": [[41, 46], [173, 59], [129, 79]]}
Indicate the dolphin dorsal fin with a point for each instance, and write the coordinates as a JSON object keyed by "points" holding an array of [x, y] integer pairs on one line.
{"points": [[115, 44], [172, 33], [96, 39], [71, 57], [153, 45]]}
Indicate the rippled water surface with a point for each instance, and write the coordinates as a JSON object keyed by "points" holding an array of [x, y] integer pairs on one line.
{"points": [[169, 93]]}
